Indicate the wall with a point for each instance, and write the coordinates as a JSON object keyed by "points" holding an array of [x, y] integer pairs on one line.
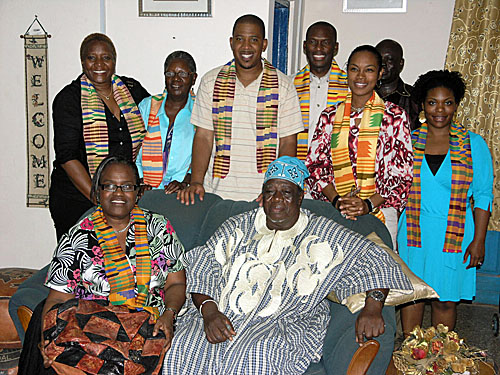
{"points": [[423, 31], [28, 236], [142, 45]]}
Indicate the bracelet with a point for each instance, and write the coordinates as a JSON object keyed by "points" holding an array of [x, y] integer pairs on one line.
{"points": [[335, 200], [173, 310], [369, 204], [207, 300]]}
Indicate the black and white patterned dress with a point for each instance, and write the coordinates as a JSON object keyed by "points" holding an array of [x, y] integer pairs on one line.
{"points": [[77, 266]]}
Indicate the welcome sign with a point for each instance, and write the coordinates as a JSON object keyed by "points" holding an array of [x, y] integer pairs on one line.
{"points": [[37, 115]]}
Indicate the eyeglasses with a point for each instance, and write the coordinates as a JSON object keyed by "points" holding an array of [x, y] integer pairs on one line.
{"points": [[180, 74], [125, 188]]}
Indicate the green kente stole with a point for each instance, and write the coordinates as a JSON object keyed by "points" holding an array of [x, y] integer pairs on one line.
{"points": [[116, 264]]}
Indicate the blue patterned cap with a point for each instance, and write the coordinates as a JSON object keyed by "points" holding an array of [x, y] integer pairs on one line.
{"points": [[288, 168]]}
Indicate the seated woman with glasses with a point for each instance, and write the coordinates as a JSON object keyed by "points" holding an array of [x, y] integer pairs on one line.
{"points": [[116, 284], [165, 158]]}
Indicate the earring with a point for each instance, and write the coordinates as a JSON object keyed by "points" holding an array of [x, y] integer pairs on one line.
{"points": [[421, 117], [379, 83]]}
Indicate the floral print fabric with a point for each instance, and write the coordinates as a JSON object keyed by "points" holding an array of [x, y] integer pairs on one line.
{"points": [[77, 266], [393, 163]]}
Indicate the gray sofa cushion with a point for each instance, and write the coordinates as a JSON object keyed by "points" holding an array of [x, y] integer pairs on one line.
{"points": [[363, 225], [224, 209], [195, 224], [220, 212], [187, 221]]}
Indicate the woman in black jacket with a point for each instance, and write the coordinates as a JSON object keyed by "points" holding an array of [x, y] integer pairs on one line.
{"points": [[95, 116]]}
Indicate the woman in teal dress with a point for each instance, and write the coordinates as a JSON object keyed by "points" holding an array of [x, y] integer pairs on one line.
{"points": [[442, 231]]}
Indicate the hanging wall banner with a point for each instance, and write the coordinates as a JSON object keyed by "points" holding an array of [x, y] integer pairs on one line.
{"points": [[37, 115]]}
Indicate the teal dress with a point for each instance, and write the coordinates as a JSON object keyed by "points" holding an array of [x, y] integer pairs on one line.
{"points": [[445, 272]]}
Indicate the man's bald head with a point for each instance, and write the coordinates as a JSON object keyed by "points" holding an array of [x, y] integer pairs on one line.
{"points": [[392, 59], [389, 44], [320, 47], [323, 24]]}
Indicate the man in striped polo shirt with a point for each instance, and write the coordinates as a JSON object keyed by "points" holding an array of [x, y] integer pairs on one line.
{"points": [[246, 114]]}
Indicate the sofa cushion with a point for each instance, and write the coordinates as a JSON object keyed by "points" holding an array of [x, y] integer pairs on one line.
{"points": [[363, 225], [186, 220], [224, 209], [396, 297], [219, 213]]}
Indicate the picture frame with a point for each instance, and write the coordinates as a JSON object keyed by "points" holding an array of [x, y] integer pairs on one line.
{"points": [[374, 6], [175, 8]]}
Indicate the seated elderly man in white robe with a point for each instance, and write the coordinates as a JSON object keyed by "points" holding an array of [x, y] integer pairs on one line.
{"points": [[259, 286]]}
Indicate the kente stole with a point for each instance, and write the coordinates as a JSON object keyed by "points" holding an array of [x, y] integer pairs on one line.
{"points": [[266, 118], [461, 178], [337, 91], [152, 151], [95, 128], [369, 129], [116, 264]]}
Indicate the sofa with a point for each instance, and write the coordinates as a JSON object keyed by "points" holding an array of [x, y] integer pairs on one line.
{"points": [[194, 224]]}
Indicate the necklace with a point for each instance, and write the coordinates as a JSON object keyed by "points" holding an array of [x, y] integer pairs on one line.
{"points": [[106, 96], [356, 109], [124, 229]]}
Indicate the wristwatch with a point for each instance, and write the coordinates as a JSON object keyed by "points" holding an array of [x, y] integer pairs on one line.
{"points": [[377, 295]]}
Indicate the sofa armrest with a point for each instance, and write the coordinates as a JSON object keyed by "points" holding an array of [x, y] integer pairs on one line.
{"points": [[29, 294], [24, 313], [363, 358]]}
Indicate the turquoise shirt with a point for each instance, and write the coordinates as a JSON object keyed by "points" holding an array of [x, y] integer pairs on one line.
{"points": [[179, 158]]}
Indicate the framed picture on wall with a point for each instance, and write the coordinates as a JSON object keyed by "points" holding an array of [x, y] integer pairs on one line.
{"points": [[374, 6], [175, 8]]}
